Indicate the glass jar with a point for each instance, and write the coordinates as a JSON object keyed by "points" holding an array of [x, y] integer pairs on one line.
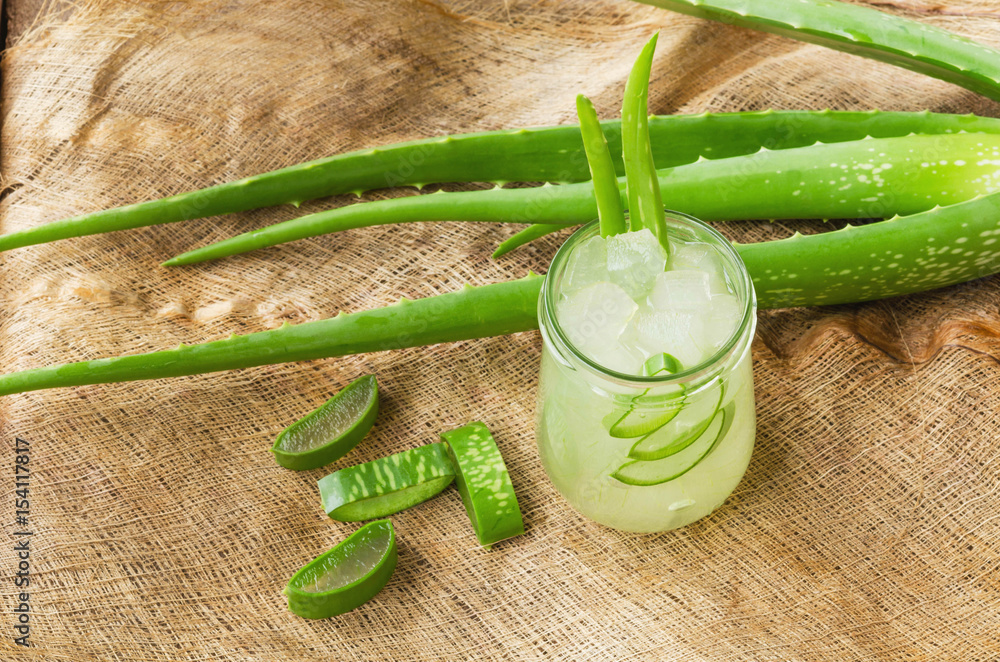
{"points": [[652, 453]]}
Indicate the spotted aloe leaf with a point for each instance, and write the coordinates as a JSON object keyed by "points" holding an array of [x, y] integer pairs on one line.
{"points": [[548, 154], [860, 31]]}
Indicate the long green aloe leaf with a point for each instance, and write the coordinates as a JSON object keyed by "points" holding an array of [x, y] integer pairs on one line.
{"points": [[902, 255], [928, 250], [543, 154], [875, 178], [472, 312], [860, 31], [525, 236]]}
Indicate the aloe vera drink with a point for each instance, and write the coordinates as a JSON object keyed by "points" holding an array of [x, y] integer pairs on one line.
{"points": [[645, 419]]}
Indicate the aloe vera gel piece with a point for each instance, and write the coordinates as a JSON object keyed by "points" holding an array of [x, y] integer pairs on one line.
{"points": [[347, 576], [484, 484], [386, 485], [330, 432]]}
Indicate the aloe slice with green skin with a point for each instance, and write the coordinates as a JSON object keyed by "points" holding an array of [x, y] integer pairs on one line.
{"points": [[386, 485], [644, 474], [660, 363], [347, 576], [627, 422], [638, 423], [681, 432], [484, 483], [330, 432]]}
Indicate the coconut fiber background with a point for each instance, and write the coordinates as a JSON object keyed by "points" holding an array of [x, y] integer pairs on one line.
{"points": [[867, 527]]}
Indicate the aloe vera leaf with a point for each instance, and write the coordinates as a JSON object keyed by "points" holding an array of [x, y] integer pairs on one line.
{"points": [[860, 31], [925, 251], [559, 205], [902, 255], [525, 236], [347, 576], [875, 178], [386, 485], [541, 154], [645, 203], [602, 170], [642, 415], [472, 312], [659, 363], [484, 483]]}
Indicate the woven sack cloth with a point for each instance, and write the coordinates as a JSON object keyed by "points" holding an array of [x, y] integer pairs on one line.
{"points": [[866, 527]]}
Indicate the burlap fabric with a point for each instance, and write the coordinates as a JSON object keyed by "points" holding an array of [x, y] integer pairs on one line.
{"points": [[866, 528]]}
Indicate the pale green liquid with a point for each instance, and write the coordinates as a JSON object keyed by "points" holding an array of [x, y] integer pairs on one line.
{"points": [[580, 456]]}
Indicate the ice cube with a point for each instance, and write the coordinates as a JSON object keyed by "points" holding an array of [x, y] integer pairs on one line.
{"points": [[588, 264], [685, 290], [634, 261], [673, 332], [721, 317], [617, 357], [595, 316], [696, 256]]}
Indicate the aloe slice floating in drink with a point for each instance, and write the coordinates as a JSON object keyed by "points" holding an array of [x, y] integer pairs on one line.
{"points": [[661, 363], [386, 485], [683, 430], [330, 432], [484, 484], [642, 473], [347, 576], [644, 416]]}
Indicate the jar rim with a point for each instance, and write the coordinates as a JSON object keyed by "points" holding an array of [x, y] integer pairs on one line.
{"points": [[748, 319]]}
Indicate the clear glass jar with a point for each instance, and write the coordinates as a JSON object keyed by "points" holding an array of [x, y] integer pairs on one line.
{"points": [[655, 453]]}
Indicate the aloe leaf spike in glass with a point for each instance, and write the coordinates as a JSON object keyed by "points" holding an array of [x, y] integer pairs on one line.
{"points": [[525, 236], [645, 203], [602, 170]]}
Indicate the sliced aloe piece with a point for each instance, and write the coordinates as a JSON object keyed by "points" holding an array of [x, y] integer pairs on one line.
{"points": [[330, 432], [640, 473], [347, 576], [661, 363], [484, 484], [644, 417], [630, 417], [386, 485], [681, 432]]}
